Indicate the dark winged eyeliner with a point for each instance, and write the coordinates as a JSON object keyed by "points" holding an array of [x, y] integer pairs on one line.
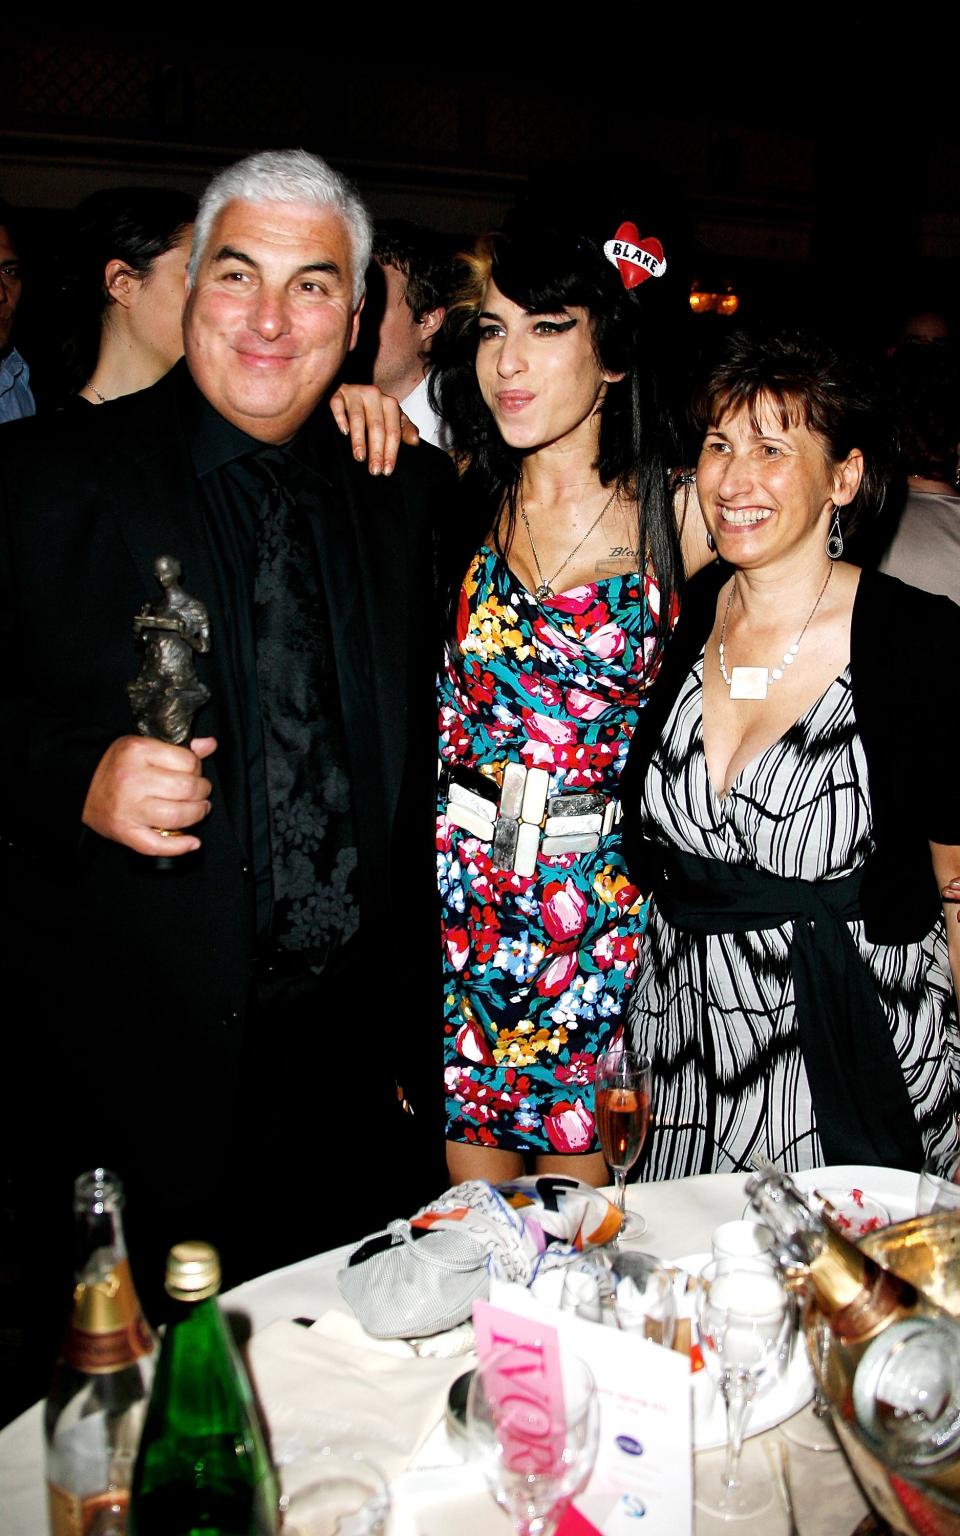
{"points": [[559, 325]]}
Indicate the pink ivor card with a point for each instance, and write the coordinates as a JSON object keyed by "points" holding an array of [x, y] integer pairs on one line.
{"points": [[527, 1385]]}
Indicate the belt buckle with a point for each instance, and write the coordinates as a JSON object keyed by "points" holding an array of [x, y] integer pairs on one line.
{"points": [[472, 805], [519, 819]]}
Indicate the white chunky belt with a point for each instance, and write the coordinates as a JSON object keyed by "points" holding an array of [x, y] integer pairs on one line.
{"points": [[519, 820]]}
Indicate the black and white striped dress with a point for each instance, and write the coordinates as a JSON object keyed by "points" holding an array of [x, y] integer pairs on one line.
{"points": [[801, 810]]}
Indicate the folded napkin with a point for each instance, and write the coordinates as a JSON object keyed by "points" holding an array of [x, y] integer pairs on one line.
{"points": [[316, 1388], [422, 1276]]}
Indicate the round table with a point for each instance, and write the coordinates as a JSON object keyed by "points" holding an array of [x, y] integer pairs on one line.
{"points": [[680, 1214]]}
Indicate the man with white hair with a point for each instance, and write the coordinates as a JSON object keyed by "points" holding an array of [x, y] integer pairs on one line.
{"points": [[245, 1059]]}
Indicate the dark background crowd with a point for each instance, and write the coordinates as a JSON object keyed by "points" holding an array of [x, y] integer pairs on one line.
{"points": [[793, 199]]}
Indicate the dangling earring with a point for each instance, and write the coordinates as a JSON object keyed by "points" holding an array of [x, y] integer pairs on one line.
{"points": [[834, 544], [710, 544]]}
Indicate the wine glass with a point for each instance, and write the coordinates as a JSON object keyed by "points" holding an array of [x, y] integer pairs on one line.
{"points": [[536, 1454], [812, 1428], [744, 1321], [939, 1187], [622, 1087]]}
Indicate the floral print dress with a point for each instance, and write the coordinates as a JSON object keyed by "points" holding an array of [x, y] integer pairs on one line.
{"points": [[536, 967]]}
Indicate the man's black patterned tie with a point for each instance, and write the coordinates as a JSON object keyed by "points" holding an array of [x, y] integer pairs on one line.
{"points": [[313, 844]]}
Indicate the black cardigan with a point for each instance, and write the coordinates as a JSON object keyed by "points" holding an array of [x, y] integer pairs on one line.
{"points": [[904, 645]]}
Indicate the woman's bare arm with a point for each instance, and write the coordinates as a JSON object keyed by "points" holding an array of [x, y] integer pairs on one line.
{"points": [[691, 528], [946, 867]]}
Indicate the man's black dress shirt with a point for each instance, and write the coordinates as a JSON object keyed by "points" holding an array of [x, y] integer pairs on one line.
{"points": [[233, 470]]}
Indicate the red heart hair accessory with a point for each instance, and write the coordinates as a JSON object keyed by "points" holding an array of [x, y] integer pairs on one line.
{"points": [[635, 256]]}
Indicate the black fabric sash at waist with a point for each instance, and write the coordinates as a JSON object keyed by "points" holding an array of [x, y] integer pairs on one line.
{"points": [[860, 1099]]}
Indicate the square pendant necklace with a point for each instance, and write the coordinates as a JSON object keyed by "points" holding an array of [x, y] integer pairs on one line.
{"points": [[753, 682]]}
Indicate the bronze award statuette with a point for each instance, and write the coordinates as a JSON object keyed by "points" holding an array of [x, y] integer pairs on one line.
{"points": [[167, 693]]}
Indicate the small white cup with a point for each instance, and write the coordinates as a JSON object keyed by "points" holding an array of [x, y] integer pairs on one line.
{"points": [[743, 1245]]}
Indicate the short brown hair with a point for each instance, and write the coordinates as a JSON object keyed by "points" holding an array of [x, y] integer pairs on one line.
{"points": [[807, 383]]}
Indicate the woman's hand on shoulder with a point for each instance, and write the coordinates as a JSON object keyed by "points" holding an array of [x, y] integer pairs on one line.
{"points": [[375, 425], [691, 529]]}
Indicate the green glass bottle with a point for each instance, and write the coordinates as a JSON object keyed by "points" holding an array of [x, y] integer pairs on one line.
{"points": [[202, 1468]]}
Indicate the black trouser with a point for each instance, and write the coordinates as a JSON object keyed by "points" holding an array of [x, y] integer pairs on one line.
{"points": [[315, 1148]]}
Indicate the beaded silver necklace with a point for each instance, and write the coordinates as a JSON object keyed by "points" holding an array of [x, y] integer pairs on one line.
{"points": [[753, 682]]}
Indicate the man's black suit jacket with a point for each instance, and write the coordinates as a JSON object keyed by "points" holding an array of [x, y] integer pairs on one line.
{"points": [[134, 984]]}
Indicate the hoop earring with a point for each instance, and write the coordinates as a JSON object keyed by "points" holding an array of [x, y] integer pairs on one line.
{"points": [[834, 545], [710, 543]]}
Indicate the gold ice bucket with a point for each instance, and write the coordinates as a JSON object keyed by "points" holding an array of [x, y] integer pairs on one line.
{"points": [[925, 1251]]}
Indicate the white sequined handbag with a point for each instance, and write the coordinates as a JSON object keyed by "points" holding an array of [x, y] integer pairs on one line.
{"points": [[406, 1283]]}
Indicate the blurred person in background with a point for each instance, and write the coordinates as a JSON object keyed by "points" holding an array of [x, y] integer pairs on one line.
{"points": [[924, 388], [416, 272], [923, 322], [123, 290], [16, 399]]}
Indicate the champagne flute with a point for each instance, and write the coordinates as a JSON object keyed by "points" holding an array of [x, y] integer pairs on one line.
{"points": [[622, 1086], [744, 1320], [812, 1428], [536, 1455]]}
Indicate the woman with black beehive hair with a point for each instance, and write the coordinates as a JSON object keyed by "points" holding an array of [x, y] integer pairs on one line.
{"points": [[567, 533]]}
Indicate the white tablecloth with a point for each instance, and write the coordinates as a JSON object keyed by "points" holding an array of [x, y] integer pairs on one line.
{"points": [[681, 1216]]}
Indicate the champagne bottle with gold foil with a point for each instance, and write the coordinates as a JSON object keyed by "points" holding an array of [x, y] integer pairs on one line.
{"points": [[892, 1364], [857, 1296], [101, 1383], [203, 1465]]}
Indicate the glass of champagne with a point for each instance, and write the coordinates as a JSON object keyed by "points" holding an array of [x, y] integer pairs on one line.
{"points": [[535, 1455], [622, 1085], [744, 1321]]}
